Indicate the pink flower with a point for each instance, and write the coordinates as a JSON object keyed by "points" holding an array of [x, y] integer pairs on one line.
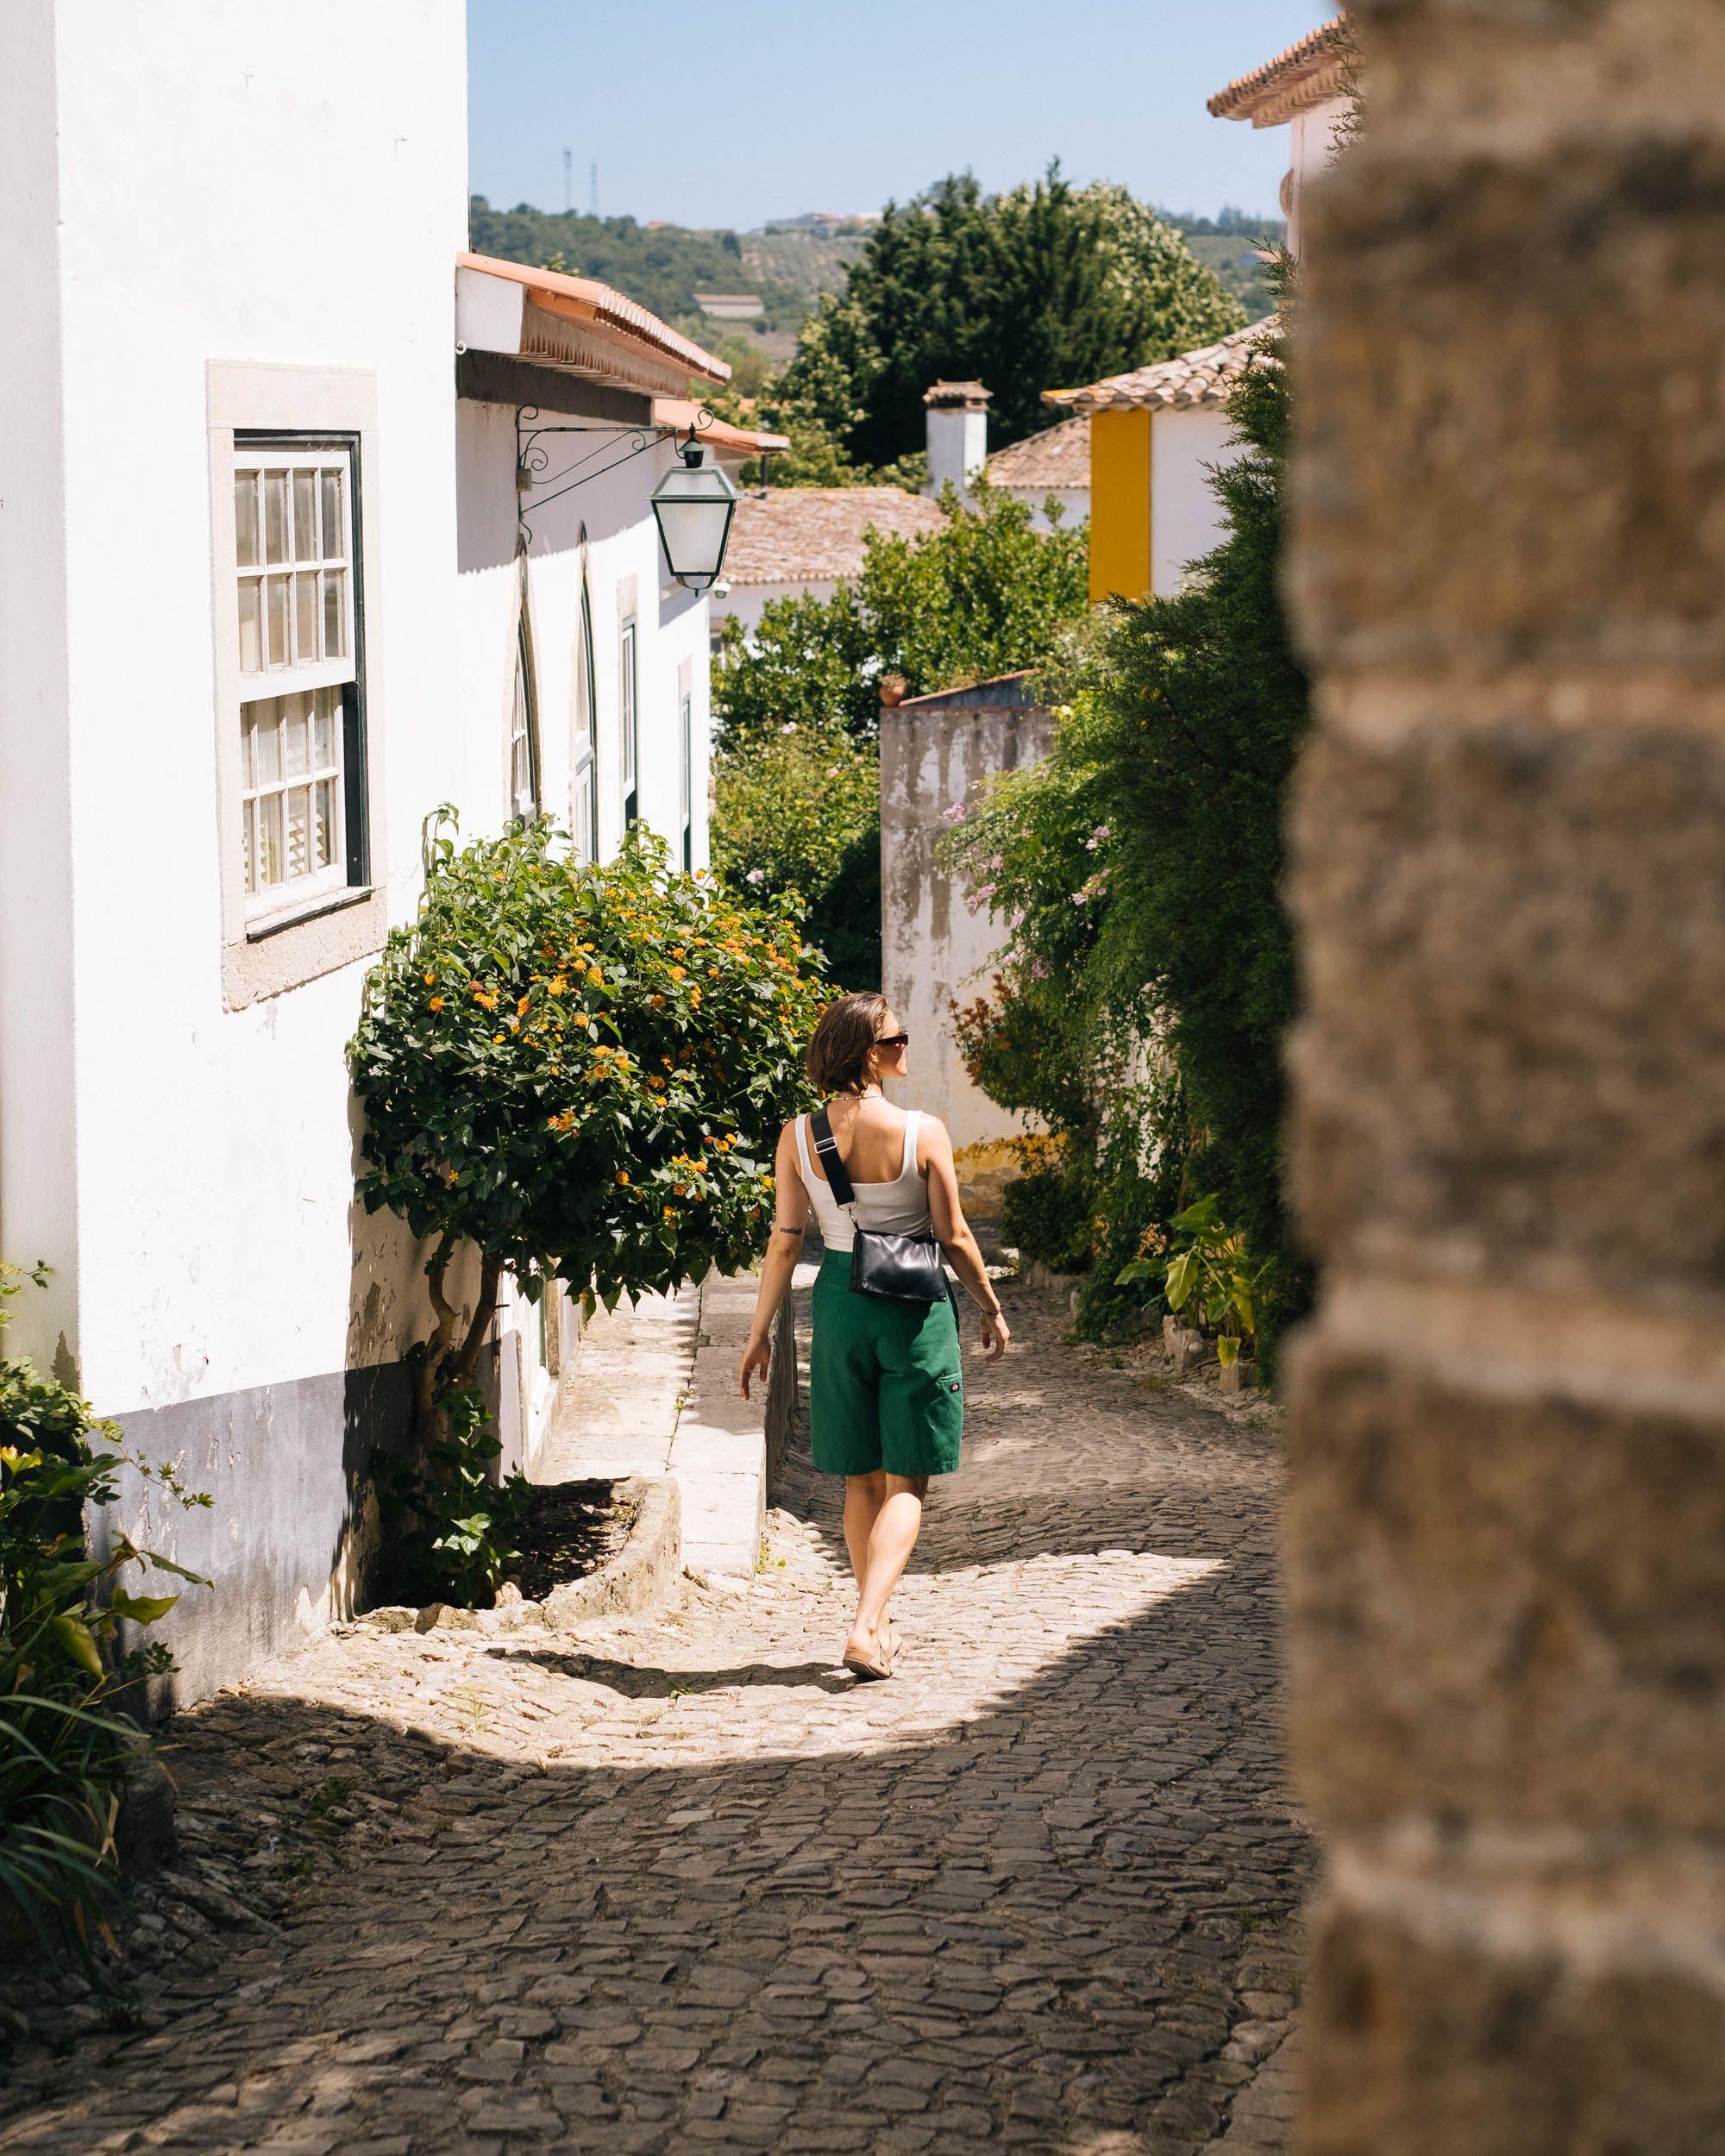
{"points": [[1018, 915], [756, 876], [1039, 970], [1100, 837], [983, 893], [953, 814]]}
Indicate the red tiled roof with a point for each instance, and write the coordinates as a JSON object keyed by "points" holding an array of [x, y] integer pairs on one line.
{"points": [[584, 299], [812, 534], [682, 413], [1204, 377], [1057, 457], [1305, 75]]}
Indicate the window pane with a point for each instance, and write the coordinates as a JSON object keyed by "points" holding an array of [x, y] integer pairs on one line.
{"points": [[294, 744], [335, 614], [323, 834], [305, 540], [299, 831], [334, 538], [269, 840], [305, 617], [275, 516], [251, 627], [275, 602], [246, 519], [324, 746], [265, 743], [248, 820]]}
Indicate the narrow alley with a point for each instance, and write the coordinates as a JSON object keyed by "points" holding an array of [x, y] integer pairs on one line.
{"points": [[680, 1881]]}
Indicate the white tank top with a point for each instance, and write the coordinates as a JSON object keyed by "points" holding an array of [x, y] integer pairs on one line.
{"points": [[899, 1207]]}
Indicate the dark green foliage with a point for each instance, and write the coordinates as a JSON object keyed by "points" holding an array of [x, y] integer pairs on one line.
{"points": [[452, 1519], [64, 1750], [1143, 864], [986, 594], [796, 792], [1045, 1216], [1041, 287]]}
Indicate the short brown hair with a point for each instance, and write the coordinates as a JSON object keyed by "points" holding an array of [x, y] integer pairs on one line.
{"points": [[838, 1053]]}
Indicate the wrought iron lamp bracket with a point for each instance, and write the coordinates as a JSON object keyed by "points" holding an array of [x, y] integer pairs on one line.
{"points": [[533, 459]]}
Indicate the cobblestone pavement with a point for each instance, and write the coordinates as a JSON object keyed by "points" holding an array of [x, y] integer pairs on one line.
{"points": [[680, 1881]]}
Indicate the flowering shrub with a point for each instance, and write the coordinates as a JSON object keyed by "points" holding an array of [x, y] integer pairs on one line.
{"points": [[580, 1069], [65, 1750]]}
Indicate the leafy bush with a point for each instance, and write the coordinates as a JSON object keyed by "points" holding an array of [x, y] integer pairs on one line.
{"points": [[797, 820], [64, 1753], [1139, 868], [570, 1067], [1046, 1216], [1215, 1275]]}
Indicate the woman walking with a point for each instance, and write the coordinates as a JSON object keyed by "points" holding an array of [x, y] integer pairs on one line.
{"points": [[885, 1384]]}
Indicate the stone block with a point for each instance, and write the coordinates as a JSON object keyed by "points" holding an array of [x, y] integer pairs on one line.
{"points": [[1428, 2035], [1514, 958], [1504, 1602], [1511, 377]]}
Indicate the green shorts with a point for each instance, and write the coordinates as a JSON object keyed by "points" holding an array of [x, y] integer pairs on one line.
{"points": [[885, 1386]]}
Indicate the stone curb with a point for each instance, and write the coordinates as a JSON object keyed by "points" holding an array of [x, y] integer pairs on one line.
{"points": [[643, 1571], [640, 1576]]}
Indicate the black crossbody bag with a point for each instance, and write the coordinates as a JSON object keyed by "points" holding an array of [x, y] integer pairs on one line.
{"points": [[904, 1268]]}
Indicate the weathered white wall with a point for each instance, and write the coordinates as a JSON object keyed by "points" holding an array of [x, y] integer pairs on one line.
{"points": [[934, 949], [38, 1215], [1312, 137], [214, 1158], [956, 442], [622, 550], [1185, 517]]}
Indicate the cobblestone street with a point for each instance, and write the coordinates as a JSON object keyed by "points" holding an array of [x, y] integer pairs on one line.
{"points": [[679, 1882]]}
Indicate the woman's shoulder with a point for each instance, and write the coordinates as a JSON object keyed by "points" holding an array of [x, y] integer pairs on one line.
{"points": [[931, 1134]]}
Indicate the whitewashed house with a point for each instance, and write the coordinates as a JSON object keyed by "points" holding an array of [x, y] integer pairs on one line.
{"points": [[268, 595]]}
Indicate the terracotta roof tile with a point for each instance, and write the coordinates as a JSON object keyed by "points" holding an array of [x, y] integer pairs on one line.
{"points": [[584, 299], [810, 534], [1204, 377], [1057, 457], [1305, 75]]}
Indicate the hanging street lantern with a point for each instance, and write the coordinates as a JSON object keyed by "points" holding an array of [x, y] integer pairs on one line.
{"points": [[694, 504]]}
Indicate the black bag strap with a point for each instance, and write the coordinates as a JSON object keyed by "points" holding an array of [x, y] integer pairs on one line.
{"points": [[838, 1182]]}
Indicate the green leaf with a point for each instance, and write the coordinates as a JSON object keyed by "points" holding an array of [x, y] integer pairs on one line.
{"points": [[1227, 1349], [75, 1637], [1180, 1279]]}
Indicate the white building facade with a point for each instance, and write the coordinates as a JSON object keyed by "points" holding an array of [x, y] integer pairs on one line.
{"points": [[265, 602]]}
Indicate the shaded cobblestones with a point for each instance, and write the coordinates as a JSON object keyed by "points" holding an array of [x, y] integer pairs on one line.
{"points": [[678, 1883]]}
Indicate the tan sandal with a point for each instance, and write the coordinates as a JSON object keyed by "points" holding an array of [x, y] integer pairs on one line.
{"points": [[876, 1666]]}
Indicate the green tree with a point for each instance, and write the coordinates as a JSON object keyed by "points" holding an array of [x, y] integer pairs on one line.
{"points": [[1036, 288], [570, 1068], [1140, 867], [796, 788]]}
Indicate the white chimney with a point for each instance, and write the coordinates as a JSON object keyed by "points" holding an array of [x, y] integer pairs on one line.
{"points": [[957, 434]]}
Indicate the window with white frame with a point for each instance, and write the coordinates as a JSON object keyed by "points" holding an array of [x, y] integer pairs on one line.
{"points": [[296, 571], [686, 756], [629, 714], [523, 727]]}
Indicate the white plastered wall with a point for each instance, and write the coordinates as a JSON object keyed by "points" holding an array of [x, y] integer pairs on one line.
{"points": [[1185, 517], [220, 1248]]}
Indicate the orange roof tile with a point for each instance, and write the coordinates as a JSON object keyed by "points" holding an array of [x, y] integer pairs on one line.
{"points": [[1204, 377], [584, 299], [1305, 75], [812, 534], [683, 412], [1057, 457]]}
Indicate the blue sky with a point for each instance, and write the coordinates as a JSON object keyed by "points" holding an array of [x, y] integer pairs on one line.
{"points": [[764, 108]]}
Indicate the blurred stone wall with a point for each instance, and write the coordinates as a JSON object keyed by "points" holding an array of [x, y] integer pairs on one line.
{"points": [[1507, 1536]]}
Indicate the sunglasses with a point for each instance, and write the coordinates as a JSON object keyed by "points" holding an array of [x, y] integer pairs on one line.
{"points": [[892, 1040]]}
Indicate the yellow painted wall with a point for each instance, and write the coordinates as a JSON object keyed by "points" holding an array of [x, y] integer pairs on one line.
{"points": [[1119, 504]]}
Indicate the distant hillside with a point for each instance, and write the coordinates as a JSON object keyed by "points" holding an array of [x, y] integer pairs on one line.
{"points": [[1229, 245], [665, 266]]}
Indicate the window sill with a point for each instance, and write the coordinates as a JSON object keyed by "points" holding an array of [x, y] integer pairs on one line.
{"points": [[267, 925]]}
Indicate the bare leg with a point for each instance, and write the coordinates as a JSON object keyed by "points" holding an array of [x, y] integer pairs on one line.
{"points": [[896, 1527], [864, 1495]]}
